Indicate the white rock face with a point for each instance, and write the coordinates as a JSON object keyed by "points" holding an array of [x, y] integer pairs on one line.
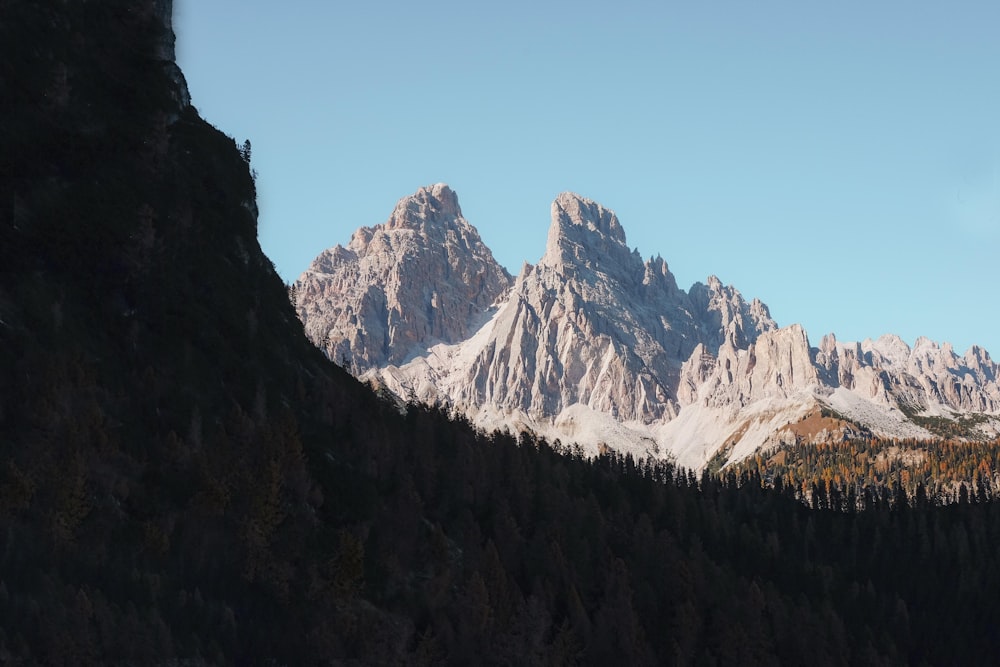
{"points": [[423, 276], [927, 378], [594, 345], [777, 365]]}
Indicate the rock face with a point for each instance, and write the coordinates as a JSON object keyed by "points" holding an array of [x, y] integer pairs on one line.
{"points": [[592, 326], [423, 276], [778, 364], [925, 377], [594, 345]]}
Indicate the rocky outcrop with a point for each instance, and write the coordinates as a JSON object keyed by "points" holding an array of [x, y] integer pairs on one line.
{"points": [[422, 277], [777, 364], [926, 377]]}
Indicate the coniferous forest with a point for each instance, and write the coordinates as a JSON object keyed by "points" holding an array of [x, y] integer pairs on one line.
{"points": [[836, 475], [184, 479]]}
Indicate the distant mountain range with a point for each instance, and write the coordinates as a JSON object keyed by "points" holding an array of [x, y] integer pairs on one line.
{"points": [[594, 345]]}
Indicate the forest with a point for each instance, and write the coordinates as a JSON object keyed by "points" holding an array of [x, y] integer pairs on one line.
{"points": [[184, 479], [837, 474]]}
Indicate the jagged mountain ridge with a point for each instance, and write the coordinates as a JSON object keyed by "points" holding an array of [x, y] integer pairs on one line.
{"points": [[580, 336], [592, 344], [591, 325]]}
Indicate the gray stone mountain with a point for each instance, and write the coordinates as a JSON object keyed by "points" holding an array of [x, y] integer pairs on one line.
{"points": [[594, 345], [423, 276]]}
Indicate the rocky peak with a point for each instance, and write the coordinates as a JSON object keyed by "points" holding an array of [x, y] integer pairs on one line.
{"points": [[828, 344], [780, 362], [424, 275], [584, 234], [726, 315], [978, 358], [887, 350], [760, 312], [978, 355], [571, 209], [658, 273], [430, 206]]}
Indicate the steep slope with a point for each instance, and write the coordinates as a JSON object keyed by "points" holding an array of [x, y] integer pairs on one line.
{"points": [[425, 275], [593, 345]]}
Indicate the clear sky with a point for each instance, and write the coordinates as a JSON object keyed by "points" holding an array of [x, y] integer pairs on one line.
{"points": [[838, 160]]}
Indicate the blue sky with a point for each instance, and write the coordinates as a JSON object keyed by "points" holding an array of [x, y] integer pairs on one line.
{"points": [[840, 161]]}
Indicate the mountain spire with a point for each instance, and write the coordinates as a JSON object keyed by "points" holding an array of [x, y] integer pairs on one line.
{"points": [[585, 236], [423, 275], [430, 205]]}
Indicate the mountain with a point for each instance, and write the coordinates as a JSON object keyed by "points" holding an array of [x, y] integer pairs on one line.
{"points": [[425, 275], [594, 345]]}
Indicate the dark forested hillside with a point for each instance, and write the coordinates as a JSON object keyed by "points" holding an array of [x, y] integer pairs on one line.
{"points": [[184, 479]]}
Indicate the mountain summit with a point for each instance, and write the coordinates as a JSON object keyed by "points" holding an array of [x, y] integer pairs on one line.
{"points": [[583, 234], [433, 208], [423, 276]]}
